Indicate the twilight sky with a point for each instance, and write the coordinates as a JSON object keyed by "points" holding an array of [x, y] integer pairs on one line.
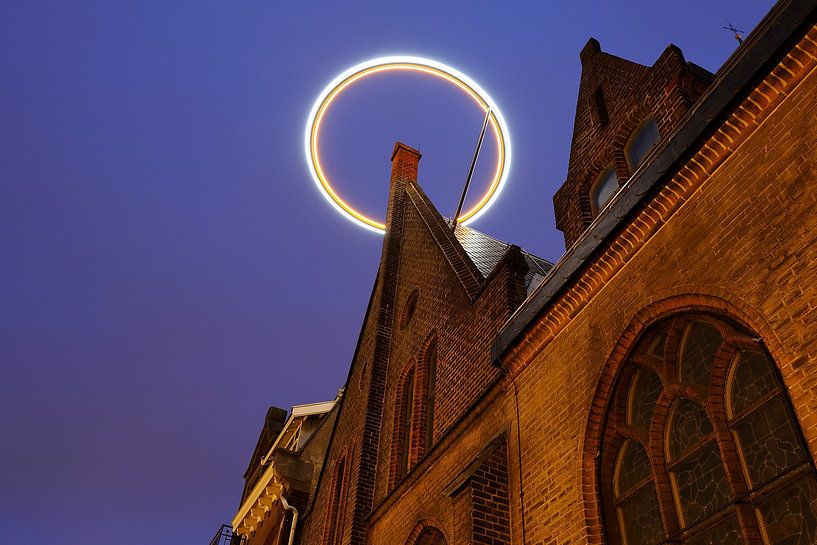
{"points": [[169, 269]]}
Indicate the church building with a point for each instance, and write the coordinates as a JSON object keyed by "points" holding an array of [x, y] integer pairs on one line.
{"points": [[657, 385]]}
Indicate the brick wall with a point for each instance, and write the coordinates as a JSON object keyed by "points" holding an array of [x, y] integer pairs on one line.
{"points": [[490, 504], [630, 93], [734, 234], [455, 308]]}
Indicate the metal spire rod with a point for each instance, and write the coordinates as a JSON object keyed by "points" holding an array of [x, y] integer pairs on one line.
{"points": [[471, 170]]}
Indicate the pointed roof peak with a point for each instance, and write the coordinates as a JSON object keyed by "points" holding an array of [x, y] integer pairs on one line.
{"points": [[590, 49]]}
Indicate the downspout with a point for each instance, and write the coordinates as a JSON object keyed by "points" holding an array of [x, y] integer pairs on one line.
{"points": [[294, 522]]}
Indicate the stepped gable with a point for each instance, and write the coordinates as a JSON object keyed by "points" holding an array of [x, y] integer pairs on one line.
{"points": [[616, 98]]}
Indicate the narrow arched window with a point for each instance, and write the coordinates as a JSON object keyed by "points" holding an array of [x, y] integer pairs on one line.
{"points": [[337, 508], [604, 188], [641, 142], [429, 536], [409, 307], [430, 394], [404, 427], [701, 445]]}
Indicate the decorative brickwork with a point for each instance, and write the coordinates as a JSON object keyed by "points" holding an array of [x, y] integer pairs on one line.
{"points": [[425, 534], [725, 234], [454, 319], [615, 97]]}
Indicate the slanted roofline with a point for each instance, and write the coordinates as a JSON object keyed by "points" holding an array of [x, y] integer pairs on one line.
{"points": [[770, 39]]}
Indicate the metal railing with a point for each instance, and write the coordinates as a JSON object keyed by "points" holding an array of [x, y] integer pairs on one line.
{"points": [[226, 536]]}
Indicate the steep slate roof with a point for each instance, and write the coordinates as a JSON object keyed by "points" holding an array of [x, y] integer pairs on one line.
{"points": [[486, 252], [471, 252]]}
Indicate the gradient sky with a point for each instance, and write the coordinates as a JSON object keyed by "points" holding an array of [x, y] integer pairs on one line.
{"points": [[168, 268]]}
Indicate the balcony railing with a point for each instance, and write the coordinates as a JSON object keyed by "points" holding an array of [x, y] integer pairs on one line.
{"points": [[225, 536]]}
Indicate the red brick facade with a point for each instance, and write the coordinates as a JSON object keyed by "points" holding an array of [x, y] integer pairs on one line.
{"points": [[525, 380], [626, 94]]}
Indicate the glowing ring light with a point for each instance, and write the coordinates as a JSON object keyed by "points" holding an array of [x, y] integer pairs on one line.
{"points": [[415, 64]]}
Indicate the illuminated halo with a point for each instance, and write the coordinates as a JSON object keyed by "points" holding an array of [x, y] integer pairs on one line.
{"points": [[416, 64]]}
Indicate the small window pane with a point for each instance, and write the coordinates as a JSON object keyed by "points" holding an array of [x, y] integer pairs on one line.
{"points": [[754, 378], [633, 467], [700, 345], [769, 441], [644, 393], [604, 188], [790, 515], [656, 349], [639, 519], [689, 427], [724, 533], [642, 142], [701, 484]]}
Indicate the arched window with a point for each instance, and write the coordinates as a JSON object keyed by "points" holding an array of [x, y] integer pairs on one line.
{"points": [[701, 445], [427, 535], [406, 413], [337, 508], [641, 142], [409, 307], [604, 188], [430, 393]]}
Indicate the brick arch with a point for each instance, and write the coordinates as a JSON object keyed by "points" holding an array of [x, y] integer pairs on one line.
{"points": [[418, 439], [426, 532], [589, 179], [625, 131], [409, 307], [680, 303], [399, 428]]}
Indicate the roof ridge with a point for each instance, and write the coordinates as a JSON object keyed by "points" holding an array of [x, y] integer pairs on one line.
{"points": [[464, 267]]}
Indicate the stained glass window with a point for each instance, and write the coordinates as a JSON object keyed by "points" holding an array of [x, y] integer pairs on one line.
{"points": [[633, 467], [753, 378], [641, 520], [656, 349], [789, 515], [701, 343], [701, 484], [726, 532], [644, 394], [725, 448], [689, 427], [769, 441]]}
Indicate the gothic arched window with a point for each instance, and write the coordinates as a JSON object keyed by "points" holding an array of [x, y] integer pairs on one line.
{"points": [[641, 142], [604, 188], [430, 361], [431, 536], [701, 445], [405, 415]]}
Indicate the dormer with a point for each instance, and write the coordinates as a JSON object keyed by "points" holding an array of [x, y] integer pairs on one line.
{"points": [[624, 110]]}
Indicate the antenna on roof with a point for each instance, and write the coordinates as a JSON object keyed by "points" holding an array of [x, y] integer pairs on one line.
{"points": [[738, 33], [471, 170]]}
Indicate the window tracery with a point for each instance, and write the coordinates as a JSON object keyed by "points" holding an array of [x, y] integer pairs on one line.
{"points": [[701, 445]]}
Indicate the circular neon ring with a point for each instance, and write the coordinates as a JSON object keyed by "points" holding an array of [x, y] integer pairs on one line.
{"points": [[416, 64]]}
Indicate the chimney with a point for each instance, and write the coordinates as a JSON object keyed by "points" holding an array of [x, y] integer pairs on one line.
{"points": [[404, 162]]}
